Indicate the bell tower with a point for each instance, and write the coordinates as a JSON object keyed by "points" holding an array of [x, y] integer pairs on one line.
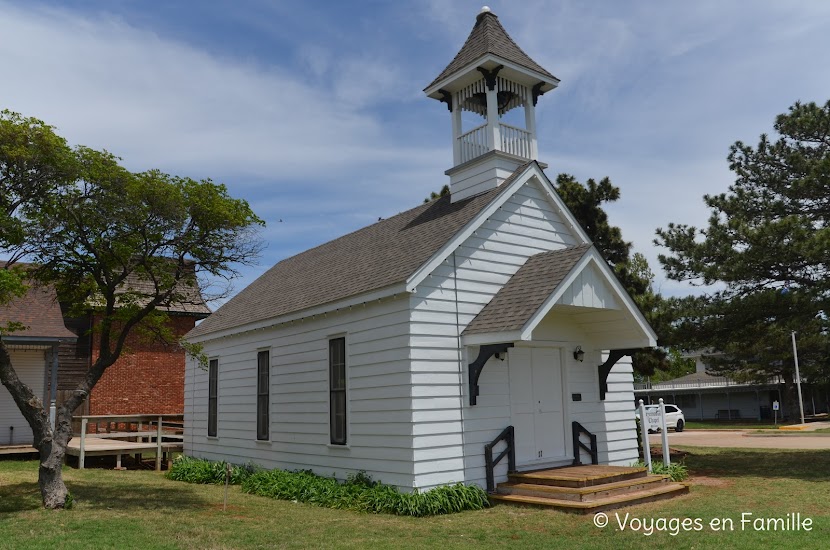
{"points": [[486, 83]]}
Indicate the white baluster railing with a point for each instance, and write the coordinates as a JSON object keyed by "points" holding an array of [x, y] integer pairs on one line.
{"points": [[515, 141], [473, 144]]}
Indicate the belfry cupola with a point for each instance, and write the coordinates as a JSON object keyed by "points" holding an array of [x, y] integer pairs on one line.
{"points": [[484, 86]]}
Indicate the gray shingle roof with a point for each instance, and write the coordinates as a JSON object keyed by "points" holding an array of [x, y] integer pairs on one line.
{"points": [[488, 36], [40, 312], [526, 291], [190, 300], [372, 258]]}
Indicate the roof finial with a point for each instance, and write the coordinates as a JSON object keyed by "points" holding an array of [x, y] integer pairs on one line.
{"points": [[485, 9]]}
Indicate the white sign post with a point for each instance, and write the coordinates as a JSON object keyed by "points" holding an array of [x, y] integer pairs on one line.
{"points": [[644, 426], [775, 408], [665, 432], [798, 379]]}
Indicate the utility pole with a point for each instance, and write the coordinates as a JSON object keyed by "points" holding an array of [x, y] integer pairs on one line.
{"points": [[798, 379]]}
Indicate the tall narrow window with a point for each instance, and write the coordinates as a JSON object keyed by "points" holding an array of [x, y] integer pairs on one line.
{"points": [[337, 390], [262, 396], [213, 396]]}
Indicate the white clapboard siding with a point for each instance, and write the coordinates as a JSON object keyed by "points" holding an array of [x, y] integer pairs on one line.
{"points": [[29, 366], [443, 305], [380, 428]]}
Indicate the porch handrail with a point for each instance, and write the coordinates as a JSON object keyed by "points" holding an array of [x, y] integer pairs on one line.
{"points": [[579, 446], [506, 435]]}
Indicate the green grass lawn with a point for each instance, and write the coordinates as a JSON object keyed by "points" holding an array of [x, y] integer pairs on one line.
{"points": [[142, 509]]}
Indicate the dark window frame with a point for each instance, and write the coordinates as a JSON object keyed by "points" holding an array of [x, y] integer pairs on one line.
{"points": [[338, 397], [213, 398], [263, 395]]}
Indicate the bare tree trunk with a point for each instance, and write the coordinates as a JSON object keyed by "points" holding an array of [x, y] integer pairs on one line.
{"points": [[53, 491], [51, 444]]}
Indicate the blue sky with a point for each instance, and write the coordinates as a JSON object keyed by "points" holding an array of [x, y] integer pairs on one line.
{"points": [[313, 111]]}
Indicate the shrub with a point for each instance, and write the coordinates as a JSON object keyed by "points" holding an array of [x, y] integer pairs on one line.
{"points": [[675, 470], [197, 470], [359, 492]]}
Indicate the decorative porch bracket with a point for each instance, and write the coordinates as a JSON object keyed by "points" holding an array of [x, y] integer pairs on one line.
{"points": [[605, 368], [485, 352]]}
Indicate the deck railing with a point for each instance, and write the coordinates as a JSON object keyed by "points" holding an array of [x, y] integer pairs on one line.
{"points": [[712, 382], [160, 432]]}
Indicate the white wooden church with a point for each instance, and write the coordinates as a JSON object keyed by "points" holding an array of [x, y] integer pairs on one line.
{"points": [[407, 348]]}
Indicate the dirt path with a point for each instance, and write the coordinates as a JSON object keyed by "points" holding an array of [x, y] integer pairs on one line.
{"points": [[742, 439]]}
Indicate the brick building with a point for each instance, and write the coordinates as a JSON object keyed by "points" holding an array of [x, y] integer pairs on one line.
{"points": [[148, 378]]}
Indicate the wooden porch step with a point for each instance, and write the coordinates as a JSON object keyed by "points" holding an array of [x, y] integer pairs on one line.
{"points": [[579, 476], [582, 494], [660, 492]]}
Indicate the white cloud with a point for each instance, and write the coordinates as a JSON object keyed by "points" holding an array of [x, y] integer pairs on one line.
{"points": [[652, 95], [158, 102]]}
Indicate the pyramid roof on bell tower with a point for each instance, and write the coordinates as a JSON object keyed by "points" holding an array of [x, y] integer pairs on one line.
{"points": [[489, 37]]}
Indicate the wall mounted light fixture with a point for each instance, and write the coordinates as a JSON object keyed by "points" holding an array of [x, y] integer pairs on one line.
{"points": [[579, 355]]}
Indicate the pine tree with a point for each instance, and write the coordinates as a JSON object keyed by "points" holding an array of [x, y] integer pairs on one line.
{"points": [[765, 250]]}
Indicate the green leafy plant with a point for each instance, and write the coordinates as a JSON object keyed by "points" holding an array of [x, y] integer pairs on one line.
{"points": [[359, 492], [197, 470], [676, 471]]}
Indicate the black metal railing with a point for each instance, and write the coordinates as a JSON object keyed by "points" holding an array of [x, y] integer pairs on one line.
{"points": [[509, 451], [578, 429]]}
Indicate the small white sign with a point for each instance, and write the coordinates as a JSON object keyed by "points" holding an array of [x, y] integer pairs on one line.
{"points": [[653, 419], [775, 406]]}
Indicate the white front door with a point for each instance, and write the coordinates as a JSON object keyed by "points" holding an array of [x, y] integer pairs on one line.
{"points": [[536, 404]]}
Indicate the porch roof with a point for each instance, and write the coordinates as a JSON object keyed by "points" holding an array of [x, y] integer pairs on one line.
{"points": [[555, 279]]}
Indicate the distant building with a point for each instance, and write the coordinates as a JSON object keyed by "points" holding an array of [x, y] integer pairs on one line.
{"points": [[56, 351], [703, 396]]}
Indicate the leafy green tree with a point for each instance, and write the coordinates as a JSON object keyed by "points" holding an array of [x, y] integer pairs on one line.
{"points": [[89, 226], [586, 202], [765, 252]]}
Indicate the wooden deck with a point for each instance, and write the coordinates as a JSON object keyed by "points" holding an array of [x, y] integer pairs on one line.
{"points": [[117, 435], [18, 450], [103, 446]]}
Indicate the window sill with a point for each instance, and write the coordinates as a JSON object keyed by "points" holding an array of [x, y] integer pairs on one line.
{"points": [[264, 442], [334, 446], [213, 438]]}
